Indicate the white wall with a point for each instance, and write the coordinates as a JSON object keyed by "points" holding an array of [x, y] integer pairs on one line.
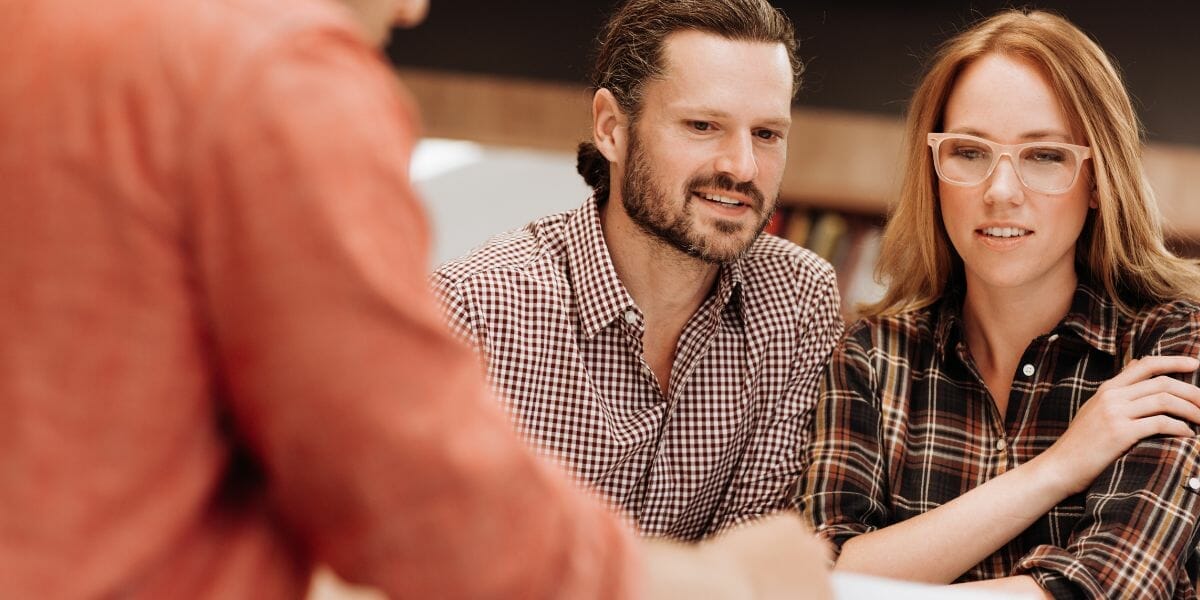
{"points": [[474, 192]]}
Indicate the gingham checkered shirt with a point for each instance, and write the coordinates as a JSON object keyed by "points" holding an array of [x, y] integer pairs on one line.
{"points": [[906, 424], [561, 339]]}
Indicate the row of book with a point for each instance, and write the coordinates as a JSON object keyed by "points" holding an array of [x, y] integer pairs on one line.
{"points": [[849, 242]]}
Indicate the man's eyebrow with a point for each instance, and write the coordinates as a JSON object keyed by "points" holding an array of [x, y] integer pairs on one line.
{"points": [[713, 113]]}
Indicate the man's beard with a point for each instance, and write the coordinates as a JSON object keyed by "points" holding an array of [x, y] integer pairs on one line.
{"points": [[650, 208]]}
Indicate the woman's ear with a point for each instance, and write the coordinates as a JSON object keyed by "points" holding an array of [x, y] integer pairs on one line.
{"points": [[609, 126]]}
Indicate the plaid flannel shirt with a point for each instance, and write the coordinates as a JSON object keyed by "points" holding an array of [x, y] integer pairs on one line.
{"points": [[905, 424]]}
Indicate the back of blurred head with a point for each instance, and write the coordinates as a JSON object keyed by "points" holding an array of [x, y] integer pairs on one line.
{"points": [[1121, 245], [631, 45]]}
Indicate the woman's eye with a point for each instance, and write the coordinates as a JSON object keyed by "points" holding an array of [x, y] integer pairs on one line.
{"points": [[969, 153], [701, 125], [1047, 155]]}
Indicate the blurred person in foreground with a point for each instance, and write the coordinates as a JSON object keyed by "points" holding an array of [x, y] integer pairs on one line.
{"points": [[219, 360], [1018, 412], [652, 341]]}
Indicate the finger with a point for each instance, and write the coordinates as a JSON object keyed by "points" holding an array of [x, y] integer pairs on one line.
{"points": [[1158, 385], [1149, 366], [1164, 403], [1161, 425]]}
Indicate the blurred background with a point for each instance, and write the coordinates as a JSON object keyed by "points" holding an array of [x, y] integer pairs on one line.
{"points": [[502, 87]]}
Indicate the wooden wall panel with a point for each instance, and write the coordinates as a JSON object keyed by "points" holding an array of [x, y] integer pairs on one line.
{"points": [[840, 160]]}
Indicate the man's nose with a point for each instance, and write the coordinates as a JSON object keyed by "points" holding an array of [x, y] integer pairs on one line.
{"points": [[737, 159]]}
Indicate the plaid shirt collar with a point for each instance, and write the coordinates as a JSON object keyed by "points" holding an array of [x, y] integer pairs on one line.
{"points": [[1092, 317], [600, 294]]}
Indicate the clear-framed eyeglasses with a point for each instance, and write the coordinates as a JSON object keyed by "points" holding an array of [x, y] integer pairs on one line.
{"points": [[1046, 167]]}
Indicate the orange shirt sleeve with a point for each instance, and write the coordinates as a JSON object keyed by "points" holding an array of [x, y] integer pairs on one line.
{"points": [[380, 446]]}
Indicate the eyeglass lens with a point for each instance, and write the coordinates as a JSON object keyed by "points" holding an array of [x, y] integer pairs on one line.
{"points": [[1048, 168]]}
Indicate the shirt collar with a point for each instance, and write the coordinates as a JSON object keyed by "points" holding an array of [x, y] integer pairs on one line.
{"points": [[729, 286], [949, 318], [599, 293], [1093, 317]]}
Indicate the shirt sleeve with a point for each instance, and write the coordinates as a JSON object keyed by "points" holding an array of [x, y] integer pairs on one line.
{"points": [[843, 493], [382, 452], [776, 456], [1139, 532], [456, 309]]}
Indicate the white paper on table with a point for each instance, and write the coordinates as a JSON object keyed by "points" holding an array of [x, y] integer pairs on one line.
{"points": [[851, 586]]}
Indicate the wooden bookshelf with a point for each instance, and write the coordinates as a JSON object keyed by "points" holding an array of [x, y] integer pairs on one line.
{"points": [[836, 160]]}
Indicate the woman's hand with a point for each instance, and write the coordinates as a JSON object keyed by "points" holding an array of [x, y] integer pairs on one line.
{"points": [[1139, 402]]}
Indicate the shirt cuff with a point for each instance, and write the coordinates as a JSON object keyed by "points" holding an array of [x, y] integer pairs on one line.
{"points": [[837, 534], [1059, 572]]}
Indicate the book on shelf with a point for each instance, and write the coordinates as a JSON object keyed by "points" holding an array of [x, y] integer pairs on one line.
{"points": [[856, 280], [848, 242], [797, 225]]}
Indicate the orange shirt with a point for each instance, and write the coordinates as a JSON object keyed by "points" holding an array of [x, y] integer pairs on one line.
{"points": [[219, 362]]}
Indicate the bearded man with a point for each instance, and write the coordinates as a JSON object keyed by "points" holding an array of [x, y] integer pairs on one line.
{"points": [[652, 341]]}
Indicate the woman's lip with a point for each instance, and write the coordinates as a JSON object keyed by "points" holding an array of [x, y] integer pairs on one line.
{"points": [[1002, 243]]}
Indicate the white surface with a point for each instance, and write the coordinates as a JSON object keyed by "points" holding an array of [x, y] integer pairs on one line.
{"points": [[849, 586], [474, 192]]}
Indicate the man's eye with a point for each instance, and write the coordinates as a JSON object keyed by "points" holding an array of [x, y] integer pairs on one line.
{"points": [[701, 125], [766, 134]]}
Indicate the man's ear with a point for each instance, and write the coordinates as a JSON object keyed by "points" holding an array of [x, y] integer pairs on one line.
{"points": [[609, 126]]}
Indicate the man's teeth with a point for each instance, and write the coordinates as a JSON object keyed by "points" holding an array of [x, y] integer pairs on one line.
{"points": [[720, 199], [1004, 232]]}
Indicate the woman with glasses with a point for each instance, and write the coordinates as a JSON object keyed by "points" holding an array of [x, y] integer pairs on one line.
{"points": [[1016, 412]]}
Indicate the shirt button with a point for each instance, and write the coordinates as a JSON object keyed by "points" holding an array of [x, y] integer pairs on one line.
{"points": [[1194, 484], [1027, 370], [630, 316], [1001, 445]]}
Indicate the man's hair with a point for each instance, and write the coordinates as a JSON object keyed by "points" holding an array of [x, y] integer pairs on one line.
{"points": [[1121, 245], [630, 53]]}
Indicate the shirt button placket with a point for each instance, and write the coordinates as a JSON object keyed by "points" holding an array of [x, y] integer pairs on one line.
{"points": [[1003, 460]]}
